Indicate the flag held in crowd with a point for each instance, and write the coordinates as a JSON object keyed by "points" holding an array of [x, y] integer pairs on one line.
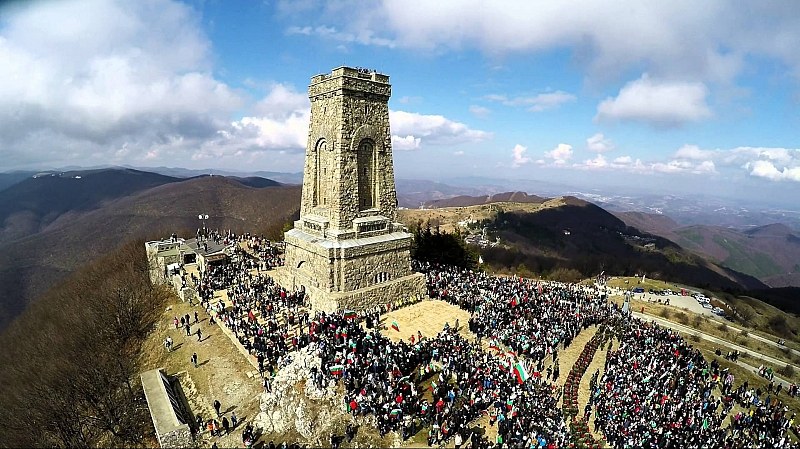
{"points": [[521, 372], [350, 314], [337, 370], [395, 326]]}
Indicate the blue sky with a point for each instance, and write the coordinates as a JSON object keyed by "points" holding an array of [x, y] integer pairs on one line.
{"points": [[672, 95]]}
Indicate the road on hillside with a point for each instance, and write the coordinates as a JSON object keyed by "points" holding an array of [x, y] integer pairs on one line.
{"points": [[764, 339], [713, 339], [719, 341]]}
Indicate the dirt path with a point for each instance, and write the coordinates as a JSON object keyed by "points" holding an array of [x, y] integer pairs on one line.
{"points": [[567, 357], [597, 364], [428, 317], [222, 373]]}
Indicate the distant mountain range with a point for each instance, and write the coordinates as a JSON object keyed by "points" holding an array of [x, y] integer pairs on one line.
{"points": [[53, 223], [770, 253]]}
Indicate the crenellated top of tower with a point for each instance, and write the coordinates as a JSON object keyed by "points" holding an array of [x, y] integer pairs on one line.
{"points": [[350, 79]]}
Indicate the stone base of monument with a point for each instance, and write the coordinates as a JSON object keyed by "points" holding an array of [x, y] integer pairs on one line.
{"points": [[361, 299]]}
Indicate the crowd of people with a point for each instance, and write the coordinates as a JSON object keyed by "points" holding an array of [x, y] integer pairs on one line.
{"points": [[267, 319], [655, 390], [385, 379]]}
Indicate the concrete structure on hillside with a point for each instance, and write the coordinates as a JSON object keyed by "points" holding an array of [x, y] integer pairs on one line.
{"points": [[168, 409], [167, 257], [346, 249]]}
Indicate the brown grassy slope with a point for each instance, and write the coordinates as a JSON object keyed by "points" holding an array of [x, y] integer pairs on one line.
{"points": [[657, 224], [32, 204], [466, 200], [35, 263]]}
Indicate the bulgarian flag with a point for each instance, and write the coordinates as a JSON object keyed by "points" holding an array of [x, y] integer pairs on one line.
{"points": [[395, 412], [350, 314], [433, 386], [521, 372], [395, 326], [337, 370], [509, 404]]}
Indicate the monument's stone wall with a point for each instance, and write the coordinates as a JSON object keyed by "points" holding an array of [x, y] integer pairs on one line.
{"points": [[346, 249]]}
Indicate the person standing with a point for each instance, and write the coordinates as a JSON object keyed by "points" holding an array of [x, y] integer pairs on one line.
{"points": [[217, 406], [234, 420], [194, 359], [226, 425], [199, 334]]}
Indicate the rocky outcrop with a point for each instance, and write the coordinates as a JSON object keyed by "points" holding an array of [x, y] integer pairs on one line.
{"points": [[294, 402]]}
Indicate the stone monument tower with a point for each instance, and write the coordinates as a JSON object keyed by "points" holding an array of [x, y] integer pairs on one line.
{"points": [[346, 249]]}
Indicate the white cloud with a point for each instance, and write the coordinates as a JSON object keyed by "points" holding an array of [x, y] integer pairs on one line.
{"points": [[625, 163], [141, 90], [518, 156], [599, 144], [406, 143], [773, 163], [668, 39], [536, 103], [433, 129], [362, 36], [598, 162], [479, 111], [657, 103], [693, 152], [560, 154], [705, 167], [458, 153], [766, 169], [83, 80], [623, 160], [281, 102]]}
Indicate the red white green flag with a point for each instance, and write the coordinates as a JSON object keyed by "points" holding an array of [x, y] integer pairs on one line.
{"points": [[521, 372], [395, 326]]}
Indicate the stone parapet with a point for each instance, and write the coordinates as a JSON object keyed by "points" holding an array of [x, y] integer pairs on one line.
{"points": [[170, 419]]}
